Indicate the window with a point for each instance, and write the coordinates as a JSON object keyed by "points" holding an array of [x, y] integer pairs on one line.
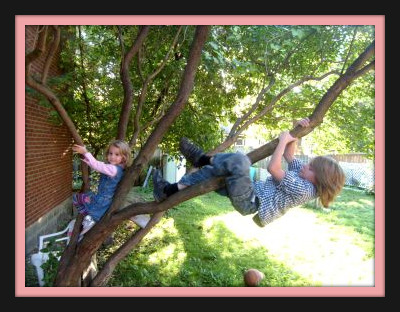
{"points": [[240, 142]]}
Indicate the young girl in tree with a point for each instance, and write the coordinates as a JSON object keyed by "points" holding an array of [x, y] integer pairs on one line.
{"points": [[322, 177], [94, 204]]}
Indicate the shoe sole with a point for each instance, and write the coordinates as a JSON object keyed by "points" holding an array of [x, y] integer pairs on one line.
{"points": [[192, 157], [141, 221], [84, 231], [157, 176]]}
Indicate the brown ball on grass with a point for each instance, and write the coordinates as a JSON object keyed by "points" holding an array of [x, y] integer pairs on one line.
{"points": [[253, 277]]}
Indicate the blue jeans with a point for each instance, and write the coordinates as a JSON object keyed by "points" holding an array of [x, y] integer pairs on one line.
{"points": [[239, 187]]}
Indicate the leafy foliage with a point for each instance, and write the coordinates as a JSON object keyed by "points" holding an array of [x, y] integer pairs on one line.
{"points": [[54, 250], [238, 61]]}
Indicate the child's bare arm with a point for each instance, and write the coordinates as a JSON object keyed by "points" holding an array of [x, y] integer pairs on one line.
{"points": [[275, 164], [290, 148]]}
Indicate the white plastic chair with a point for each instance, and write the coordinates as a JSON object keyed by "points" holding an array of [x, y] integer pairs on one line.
{"points": [[40, 257]]}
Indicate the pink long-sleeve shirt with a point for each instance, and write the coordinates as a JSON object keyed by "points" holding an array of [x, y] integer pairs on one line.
{"points": [[107, 169]]}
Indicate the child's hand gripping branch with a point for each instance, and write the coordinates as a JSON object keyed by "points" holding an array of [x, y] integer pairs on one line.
{"points": [[286, 146], [80, 149], [305, 122]]}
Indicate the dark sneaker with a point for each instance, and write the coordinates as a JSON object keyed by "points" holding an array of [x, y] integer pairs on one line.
{"points": [[158, 186], [191, 152]]}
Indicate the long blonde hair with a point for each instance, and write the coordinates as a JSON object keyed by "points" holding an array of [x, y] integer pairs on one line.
{"points": [[329, 178], [125, 150]]}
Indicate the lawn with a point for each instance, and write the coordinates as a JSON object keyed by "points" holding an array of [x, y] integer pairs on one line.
{"points": [[205, 242]]}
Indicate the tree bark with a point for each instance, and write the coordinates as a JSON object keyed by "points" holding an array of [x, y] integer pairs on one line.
{"points": [[71, 268]]}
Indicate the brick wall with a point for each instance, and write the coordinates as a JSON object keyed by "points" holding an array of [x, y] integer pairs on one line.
{"points": [[48, 163], [48, 160]]}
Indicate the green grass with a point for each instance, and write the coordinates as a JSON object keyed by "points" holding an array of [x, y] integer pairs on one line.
{"points": [[353, 212], [205, 242]]}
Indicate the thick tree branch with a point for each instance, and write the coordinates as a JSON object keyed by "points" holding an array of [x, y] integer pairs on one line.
{"points": [[143, 92], [126, 80], [104, 275], [174, 111], [40, 47], [246, 121], [52, 51], [93, 239]]}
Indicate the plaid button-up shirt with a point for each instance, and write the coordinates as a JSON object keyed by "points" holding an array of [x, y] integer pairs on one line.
{"points": [[277, 197]]}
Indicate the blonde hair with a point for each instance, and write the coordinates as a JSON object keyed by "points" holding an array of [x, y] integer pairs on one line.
{"points": [[329, 178], [124, 149]]}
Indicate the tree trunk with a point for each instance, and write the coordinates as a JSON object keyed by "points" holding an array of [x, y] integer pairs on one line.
{"points": [[76, 257]]}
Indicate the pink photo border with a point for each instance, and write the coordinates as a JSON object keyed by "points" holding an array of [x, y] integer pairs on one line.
{"points": [[378, 290]]}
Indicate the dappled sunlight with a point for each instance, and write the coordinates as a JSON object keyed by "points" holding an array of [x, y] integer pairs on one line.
{"points": [[207, 243], [366, 202], [198, 201], [166, 225], [169, 259], [319, 251], [356, 204], [217, 238]]}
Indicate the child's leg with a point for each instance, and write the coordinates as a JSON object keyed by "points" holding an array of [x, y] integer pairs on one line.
{"points": [[163, 189], [222, 164], [239, 187], [241, 193], [238, 183], [79, 200], [205, 173]]}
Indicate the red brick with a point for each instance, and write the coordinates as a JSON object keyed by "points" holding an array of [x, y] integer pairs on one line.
{"points": [[48, 172]]}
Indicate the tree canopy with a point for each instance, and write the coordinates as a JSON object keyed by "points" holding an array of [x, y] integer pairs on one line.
{"points": [[288, 67]]}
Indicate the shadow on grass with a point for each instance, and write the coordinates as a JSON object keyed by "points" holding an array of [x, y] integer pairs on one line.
{"points": [[185, 250]]}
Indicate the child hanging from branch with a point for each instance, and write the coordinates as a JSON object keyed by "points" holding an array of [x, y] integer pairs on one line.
{"points": [[322, 177]]}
